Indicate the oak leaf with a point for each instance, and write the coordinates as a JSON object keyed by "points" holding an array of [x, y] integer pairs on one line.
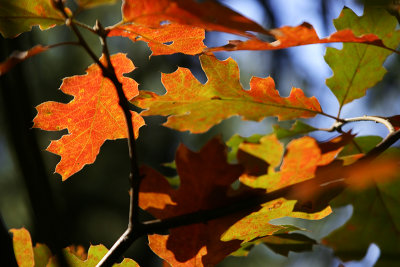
{"points": [[92, 117], [193, 106], [358, 67], [304, 34], [208, 15], [40, 254], [19, 16], [205, 184], [164, 39]]}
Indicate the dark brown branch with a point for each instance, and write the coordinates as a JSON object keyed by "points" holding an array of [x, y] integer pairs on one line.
{"points": [[128, 237], [108, 71]]}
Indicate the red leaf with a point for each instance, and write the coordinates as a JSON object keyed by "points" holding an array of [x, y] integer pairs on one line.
{"points": [[92, 117], [208, 15], [205, 183], [303, 34]]}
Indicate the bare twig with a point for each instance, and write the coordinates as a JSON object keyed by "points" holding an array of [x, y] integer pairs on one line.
{"points": [[134, 177], [337, 126], [108, 71]]}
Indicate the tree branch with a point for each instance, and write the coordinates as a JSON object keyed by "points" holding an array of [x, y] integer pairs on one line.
{"points": [[108, 71], [129, 236]]}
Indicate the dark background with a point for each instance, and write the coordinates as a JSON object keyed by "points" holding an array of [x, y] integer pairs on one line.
{"points": [[91, 207]]}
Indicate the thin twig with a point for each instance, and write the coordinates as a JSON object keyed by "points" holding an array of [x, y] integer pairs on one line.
{"points": [[108, 71], [337, 126], [128, 237]]}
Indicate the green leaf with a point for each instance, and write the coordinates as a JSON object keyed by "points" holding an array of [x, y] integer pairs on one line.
{"points": [[193, 106], [234, 142], [284, 243], [376, 219], [376, 216], [360, 144], [297, 128], [257, 224], [42, 255], [17, 16], [358, 67]]}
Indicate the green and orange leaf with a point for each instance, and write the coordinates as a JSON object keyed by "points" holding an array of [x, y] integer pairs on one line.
{"points": [[40, 255], [196, 107], [92, 117], [19, 16], [300, 163], [23, 250]]}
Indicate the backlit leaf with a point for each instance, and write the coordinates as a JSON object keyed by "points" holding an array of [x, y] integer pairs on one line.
{"points": [[165, 39], [92, 117], [40, 255], [358, 67], [300, 162], [208, 15], [94, 255], [193, 106], [205, 183], [23, 250], [303, 34], [19, 16], [257, 224]]}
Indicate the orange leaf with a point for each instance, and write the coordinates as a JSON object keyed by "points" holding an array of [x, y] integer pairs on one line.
{"points": [[208, 15], [18, 56], [165, 39], [205, 182], [92, 117], [303, 34]]}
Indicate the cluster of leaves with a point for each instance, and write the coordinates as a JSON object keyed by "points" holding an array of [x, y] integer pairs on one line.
{"points": [[299, 180]]}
